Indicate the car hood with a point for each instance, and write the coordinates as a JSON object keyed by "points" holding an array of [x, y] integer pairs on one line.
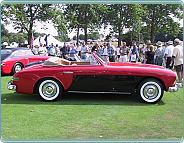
{"points": [[134, 65]]}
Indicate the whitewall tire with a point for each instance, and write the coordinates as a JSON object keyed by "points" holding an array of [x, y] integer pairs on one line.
{"points": [[150, 91], [49, 90]]}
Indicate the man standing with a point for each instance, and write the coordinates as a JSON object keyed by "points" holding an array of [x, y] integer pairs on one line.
{"points": [[168, 54], [123, 53], [159, 53], [95, 48], [111, 52], [134, 54], [52, 50], [84, 51], [177, 57]]}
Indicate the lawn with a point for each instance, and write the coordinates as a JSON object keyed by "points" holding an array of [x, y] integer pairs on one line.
{"points": [[93, 116]]}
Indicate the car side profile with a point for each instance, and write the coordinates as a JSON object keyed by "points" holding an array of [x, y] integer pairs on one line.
{"points": [[50, 79], [15, 59]]}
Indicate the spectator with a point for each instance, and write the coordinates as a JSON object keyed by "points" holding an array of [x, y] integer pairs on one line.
{"points": [[134, 53], [100, 50], [105, 52], [65, 51], [124, 51], [149, 55], [147, 48], [35, 50], [52, 50], [117, 53], [177, 57], [168, 54], [41, 50], [84, 51], [58, 53], [159, 53], [111, 52], [142, 53], [73, 51], [95, 47]]}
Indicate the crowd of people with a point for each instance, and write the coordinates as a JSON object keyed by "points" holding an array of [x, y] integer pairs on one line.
{"points": [[165, 54]]}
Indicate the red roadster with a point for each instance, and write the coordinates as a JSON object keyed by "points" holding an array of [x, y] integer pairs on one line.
{"points": [[56, 75], [15, 59]]}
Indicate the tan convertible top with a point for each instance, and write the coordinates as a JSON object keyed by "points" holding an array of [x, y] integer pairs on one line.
{"points": [[55, 61]]}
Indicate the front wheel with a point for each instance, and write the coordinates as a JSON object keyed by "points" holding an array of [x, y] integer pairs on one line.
{"points": [[16, 68], [49, 89], [150, 91]]}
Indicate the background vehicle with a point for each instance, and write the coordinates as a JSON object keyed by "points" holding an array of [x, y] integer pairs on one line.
{"points": [[15, 59]]}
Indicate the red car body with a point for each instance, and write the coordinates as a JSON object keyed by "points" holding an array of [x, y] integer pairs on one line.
{"points": [[8, 63], [102, 77]]}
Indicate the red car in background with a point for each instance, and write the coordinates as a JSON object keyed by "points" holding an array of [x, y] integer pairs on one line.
{"points": [[15, 59], [50, 79]]}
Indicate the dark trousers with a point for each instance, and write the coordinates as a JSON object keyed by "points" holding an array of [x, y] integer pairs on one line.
{"points": [[112, 59], [168, 63]]}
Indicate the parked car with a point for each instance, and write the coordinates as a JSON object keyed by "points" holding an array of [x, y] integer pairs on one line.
{"points": [[15, 59], [56, 75]]}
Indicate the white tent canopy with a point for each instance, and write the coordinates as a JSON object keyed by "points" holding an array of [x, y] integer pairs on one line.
{"points": [[50, 39]]}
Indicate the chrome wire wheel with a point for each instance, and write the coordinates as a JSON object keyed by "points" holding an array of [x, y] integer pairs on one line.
{"points": [[49, 90], [150, 91]]}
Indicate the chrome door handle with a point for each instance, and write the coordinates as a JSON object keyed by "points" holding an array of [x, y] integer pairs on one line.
{"points": [[68, 72]]}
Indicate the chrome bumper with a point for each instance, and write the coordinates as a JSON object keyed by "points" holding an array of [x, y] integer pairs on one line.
{"points": [[11, 86], [173, 88]]}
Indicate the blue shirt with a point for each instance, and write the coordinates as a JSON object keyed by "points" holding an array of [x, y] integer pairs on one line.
{"points": [[52, 50], [135, 49], [73, 51]]}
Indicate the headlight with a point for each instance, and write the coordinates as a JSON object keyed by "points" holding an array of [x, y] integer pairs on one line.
{"points": [[3, 64]]}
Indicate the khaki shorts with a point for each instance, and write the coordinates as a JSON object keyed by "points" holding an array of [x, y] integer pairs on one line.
{"points": [[179, 68]]}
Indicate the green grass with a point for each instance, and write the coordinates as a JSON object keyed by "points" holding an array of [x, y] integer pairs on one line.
{"points": [[82, 116]]}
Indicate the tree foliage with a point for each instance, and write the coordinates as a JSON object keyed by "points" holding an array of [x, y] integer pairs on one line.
{"points": [[160, 18], [24, 16]]}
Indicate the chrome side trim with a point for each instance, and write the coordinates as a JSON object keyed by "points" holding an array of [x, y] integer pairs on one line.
{"points": [[99, 92], [68, 72]]}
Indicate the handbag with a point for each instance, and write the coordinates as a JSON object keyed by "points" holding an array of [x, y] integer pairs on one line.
{"points": [[133, 57]]}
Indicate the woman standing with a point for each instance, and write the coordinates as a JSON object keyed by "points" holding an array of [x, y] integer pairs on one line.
{"points": [[149, 55]]}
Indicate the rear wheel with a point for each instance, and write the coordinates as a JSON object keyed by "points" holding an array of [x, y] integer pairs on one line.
{"points": [[49, 89], [150, 91], [16, 68]]}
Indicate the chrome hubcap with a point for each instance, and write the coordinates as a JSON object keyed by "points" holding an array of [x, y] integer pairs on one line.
{"points": [[18, 68], [150, 91], [49, 90]]}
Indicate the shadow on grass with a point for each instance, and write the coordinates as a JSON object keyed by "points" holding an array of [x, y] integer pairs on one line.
{"points": [[76, 99]]}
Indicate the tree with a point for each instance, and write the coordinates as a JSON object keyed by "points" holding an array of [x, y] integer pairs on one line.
{"points": [[122, 16], [86, 17], [160, 17], [24, 16]]}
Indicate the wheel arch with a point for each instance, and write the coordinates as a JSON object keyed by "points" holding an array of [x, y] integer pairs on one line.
{"points": [[151, 77], [46, 78]]}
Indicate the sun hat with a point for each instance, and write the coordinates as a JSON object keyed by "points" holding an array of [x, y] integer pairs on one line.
{"points": [[170, 42], [177, 40], [159, 43]]}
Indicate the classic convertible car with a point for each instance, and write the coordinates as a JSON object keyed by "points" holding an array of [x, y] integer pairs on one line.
{"points": [[56, 75], [15, 59]]}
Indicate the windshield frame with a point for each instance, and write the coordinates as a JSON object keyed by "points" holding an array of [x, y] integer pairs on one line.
{"points": [[100, 58]]}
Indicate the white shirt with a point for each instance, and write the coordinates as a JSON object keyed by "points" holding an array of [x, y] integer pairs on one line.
{"points": [[117, 50], [169, 50], [178, 53]]}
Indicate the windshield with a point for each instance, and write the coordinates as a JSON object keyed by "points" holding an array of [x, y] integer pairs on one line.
{"points": [[103, 60]]}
